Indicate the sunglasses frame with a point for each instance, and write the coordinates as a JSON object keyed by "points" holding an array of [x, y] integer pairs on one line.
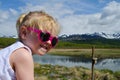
{"points": [[39, 33]]}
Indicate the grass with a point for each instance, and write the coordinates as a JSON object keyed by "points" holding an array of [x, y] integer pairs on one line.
{"points": [[99, 53]]}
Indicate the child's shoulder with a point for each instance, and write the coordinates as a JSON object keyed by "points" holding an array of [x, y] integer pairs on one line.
{"points": [[21, 55]]}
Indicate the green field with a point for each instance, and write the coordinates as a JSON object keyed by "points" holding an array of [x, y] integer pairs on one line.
{"points": [[84, 44]]}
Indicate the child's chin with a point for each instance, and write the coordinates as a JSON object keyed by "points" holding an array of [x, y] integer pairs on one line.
{"points": [[41, 52]]}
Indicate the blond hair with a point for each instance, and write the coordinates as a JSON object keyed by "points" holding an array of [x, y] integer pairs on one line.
{"points": [[39, 20]]}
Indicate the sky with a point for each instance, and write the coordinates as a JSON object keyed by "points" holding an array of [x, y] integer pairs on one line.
{"points": [[74, 16]]}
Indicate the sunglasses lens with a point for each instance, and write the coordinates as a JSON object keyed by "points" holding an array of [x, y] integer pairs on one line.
{"points": [[44, 36], [54, 41]]}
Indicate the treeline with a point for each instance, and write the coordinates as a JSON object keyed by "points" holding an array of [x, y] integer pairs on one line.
{"points": [[4, 42], [97, 43]]}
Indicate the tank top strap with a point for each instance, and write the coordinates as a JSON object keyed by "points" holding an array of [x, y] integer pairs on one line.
{"points": [[19, 44]]}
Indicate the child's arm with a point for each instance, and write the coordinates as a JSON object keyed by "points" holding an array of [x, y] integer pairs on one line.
{"points": [[23, 64]]}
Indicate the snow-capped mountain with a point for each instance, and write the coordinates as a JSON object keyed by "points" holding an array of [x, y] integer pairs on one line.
{"points": [[108, 36]]}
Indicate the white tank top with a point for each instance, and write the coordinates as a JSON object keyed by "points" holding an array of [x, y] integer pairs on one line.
{"points": [[6, 71]]}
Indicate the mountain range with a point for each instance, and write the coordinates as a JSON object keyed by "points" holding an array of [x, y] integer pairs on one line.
{"points": [[95, 35]]}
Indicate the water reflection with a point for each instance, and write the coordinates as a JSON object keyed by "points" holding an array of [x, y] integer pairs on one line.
{"points": [[112, 64]]}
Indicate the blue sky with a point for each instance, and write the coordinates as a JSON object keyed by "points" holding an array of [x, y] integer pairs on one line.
{"points": [[74, 16]]}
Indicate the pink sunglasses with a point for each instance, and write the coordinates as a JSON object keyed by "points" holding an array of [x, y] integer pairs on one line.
{"points": [[44, 36]]}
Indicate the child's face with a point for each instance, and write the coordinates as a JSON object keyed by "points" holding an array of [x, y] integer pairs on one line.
{"points": [[40, 42]]}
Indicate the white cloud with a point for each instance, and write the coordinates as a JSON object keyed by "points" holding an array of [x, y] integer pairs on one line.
{"points": [[111, 17], [113, 8]]}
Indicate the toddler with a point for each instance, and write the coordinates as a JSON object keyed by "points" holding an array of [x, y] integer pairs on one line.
{"points": [[37, 33]]}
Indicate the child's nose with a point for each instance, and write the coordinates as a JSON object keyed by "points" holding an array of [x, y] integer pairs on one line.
{"points": [[49, 42]]}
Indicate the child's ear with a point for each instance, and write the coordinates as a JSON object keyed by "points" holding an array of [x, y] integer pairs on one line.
{"points": [[23, 32]]}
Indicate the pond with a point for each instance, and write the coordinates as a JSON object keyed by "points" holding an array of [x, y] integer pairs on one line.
{"points": [[112, 64]]}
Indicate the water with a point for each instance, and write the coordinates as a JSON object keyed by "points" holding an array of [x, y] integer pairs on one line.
{"points": [[112, 64]]}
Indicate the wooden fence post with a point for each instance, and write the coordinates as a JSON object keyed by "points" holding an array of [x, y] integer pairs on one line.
{"points": [[92, 69], [94, 60]]}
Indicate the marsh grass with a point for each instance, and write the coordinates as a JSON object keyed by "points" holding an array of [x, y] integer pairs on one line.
{"points": [[50, 72]]}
